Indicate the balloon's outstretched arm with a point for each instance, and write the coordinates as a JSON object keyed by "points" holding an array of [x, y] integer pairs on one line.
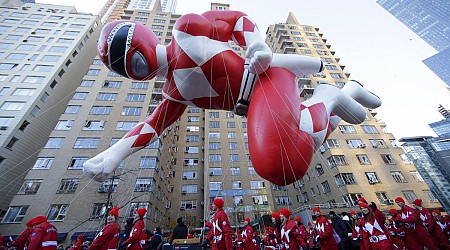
{"points": [[102, 165]]}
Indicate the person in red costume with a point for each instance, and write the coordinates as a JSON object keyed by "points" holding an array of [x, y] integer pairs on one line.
{"points": [[78, 244], [357, 232], [108, 237], [44, 235], [221, 238], [270, 239], [202, 70], [430, 224], [376, 235], [324, 231], [301, 229], [416, 235], [290, 236], [443, 222], [311, 236], [378, 214], [138, 233], [22, 240], [397, 233], [237, 242], [276, 222], [247, 236]]}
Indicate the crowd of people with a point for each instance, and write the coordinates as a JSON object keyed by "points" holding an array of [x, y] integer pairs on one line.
{"points": [[408, 227], [369, 229]]}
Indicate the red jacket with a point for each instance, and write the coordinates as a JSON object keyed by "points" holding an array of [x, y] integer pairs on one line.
{"points": [[325, 233], [44, 237], [270, 238], [247, 238], [23, 239], [302, 231], [291, 237], [108, 238], [375, 234], [409, 218], [220, 237], [78, 245], [137, 236]]}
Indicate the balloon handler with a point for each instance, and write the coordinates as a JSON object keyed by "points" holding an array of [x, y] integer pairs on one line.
{"points": [[201, 70]]}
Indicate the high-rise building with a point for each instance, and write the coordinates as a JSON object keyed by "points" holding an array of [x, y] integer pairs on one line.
{"points": [[43, 51], [114, 9], [203, 155], [429, 20], [356, 160]]}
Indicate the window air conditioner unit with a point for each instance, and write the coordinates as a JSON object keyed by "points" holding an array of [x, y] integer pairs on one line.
{"points": [[211, 174], [182, 207], [184, 177]]}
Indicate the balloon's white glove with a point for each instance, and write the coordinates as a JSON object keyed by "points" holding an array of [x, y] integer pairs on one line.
{"points": [[260, 57]]}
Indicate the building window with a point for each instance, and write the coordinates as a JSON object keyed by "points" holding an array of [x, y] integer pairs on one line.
{"points": [[135, 97], [193, 119], [77, 163], [215, 186], [231, 135], [148, 162], [94, 125], [131, 111], [68, 186], [12, 106], [107, 187], [43, 163], [190, 175], [282, 200], [336, 75], [139, 85], [257, 185], [98, 211], [378, 143], [383, 198], [409, 195], [134, 206], [214, 135], [405, 159], [372, 177], [251, 171], [30, 187], [355, 143], [125, 126], [190, 162], [235, 171], [388, 159], [189, 204], [193, 110], [213, 114], [260, 200], [430, 196], [15, 214], [72, 109], [369, 129], [385, 129], [100, 110], [192, 128], [191, 150], [34, 79], [214, 124], [11, 143], [54, 142], [234, 157], [102, 96], [231, 124], [215, 171], [337, 160], [319, 169], [143, 185], [347, 129], [236, 185], [326, 187], [57, 212], [87, 83], [232, 146], [363, 159], [86, 142], [398, 177], [214, 145], [215, 158], [192, 138], [417, 177]]}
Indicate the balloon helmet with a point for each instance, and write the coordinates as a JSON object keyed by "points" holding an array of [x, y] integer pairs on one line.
{"points": [[129, 49]]}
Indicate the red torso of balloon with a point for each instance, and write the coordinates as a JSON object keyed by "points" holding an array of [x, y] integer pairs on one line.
{"points": [[203, 69]]}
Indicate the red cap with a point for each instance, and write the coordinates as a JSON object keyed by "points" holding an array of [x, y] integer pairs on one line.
{"points": [[362, 200], [247, 220], [309, 224], [141, 211], [218, 202], [208, 224], [276, 215], [80, 236], [30, 223], [393, 211], [316, 209], [437, 212], [115, 211], [363, 205], [417, 202], [399, 199], [353, 213], [285, 212], [298, 219], [40, 219], [190, 236]]}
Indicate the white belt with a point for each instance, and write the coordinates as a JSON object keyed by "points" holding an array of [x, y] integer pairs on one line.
{"points": [[378, 238], [49, 243]]}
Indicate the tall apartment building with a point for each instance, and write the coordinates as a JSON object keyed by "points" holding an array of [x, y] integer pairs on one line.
{"points": [[357, 160], [203, 155], [43, 55], [429, 20]]}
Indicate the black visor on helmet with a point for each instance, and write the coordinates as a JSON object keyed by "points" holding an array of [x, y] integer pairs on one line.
{"points": [[117, 51]]}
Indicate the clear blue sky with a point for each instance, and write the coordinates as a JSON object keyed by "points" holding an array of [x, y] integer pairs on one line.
{"points": [[376, 48]]}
